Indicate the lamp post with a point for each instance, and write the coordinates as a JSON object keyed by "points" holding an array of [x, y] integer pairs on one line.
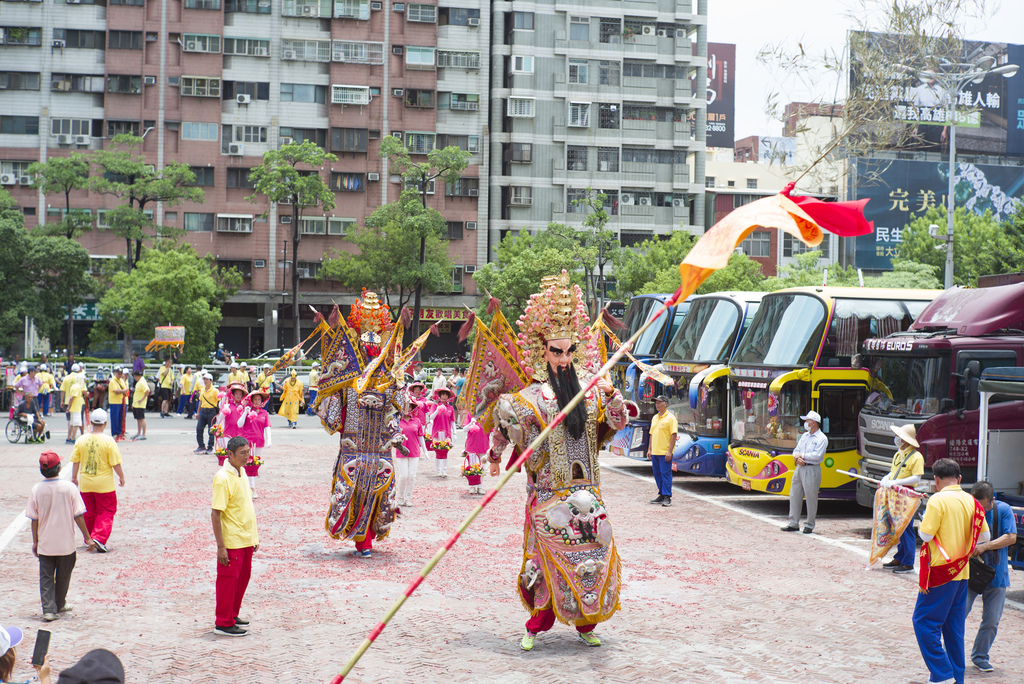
{"points": [[952, 78]]}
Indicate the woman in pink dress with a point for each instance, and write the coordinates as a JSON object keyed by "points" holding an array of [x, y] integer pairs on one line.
{"points": [[254, 424], [419, 406], [440, 425], [477, 444], [230, 407], [407, 456]]}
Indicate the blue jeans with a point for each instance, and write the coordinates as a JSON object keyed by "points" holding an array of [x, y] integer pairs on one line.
{"points": [[206, 417], [662, 474], [939, 618], [992, 600], [182, 403], [116, 418], [309, 404], [44, 403], [907, 547]]}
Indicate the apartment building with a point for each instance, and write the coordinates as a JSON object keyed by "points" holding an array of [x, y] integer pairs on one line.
{"points": [[604, 94], [215, 84]]}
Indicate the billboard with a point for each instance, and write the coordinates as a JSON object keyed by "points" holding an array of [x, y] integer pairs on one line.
{"points": [[721, 94], [989, 115], [902, 190]]}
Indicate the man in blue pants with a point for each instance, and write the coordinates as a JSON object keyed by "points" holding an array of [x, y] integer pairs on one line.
{"points": [[660, 447], [907, 469], [953, 524]]}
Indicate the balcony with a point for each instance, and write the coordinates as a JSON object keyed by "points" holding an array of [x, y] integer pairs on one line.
{"points": [[465, 106], [681, 177], [638, 124], [637, 172]]}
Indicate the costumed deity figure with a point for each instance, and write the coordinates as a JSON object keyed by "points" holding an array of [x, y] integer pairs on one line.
{"points": [[372, 319], [441, 428], [254, 422], [571, 569]]}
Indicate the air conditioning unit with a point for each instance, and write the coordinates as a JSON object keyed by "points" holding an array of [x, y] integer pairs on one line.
{"points": [[470, 225], [244, 98], [82, 139], [261, 52], [376, 6], [149, 80], [65, 139], [469, 269], [192, 46], [396, 134], [397, 92], [648, 30], [626, 199], [59, 44], [286, 219], [308, 11], [259, 263], [236, 149], [8, 179], [664, 33], [25, 180], [73, 2], [397, 49], [289, 54], [678, 202], [287, 140], [645, 201], [373, 176], [303, 272], [473, 21], [474, 192]]}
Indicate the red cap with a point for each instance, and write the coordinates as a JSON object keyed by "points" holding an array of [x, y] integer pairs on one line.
{"points": [[49, 459]]}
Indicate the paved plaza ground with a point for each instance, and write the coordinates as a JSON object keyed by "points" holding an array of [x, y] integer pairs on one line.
{"points": [[712, 590]]}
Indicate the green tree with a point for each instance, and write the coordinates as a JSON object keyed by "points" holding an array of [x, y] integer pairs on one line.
{"points": [[292, 175], [907, 275], [387, 259], [741, 274], [16, 288], [447, 164], [804, 271], [170, 285], [125, 174], [637, 268], [980, 245], [59, 269]]}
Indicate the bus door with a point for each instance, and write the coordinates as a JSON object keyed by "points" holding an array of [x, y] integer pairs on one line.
{"points": [[839, 404]]}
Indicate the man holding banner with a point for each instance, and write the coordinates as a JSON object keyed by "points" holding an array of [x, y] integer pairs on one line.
{"points": [[953, 524]]}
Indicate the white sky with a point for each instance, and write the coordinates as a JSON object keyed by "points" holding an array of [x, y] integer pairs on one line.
{"points": [[817, 25]]}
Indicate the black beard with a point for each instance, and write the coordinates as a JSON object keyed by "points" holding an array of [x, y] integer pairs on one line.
{"points": [[566, 386]]}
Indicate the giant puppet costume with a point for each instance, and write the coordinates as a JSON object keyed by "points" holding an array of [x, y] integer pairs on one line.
{"points": [[570, 568]]}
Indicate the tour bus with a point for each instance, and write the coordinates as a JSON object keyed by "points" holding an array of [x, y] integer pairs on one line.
{"points": [[696, 359], [928, 377], [798, 355], [648, 348]]}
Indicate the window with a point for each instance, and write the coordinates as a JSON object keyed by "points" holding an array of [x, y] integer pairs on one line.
{"points": [[299, 92], [464, 187], [457, 274], [200, 86], [199, 223], [520, 107], [19, 125], [649, 155], [25, 35], [341, 226], [579, 28], [239, 178], [461, 102], [73, 38], [73, 83], [305, 8], [522, 64], [247, 6], [419, 57], [252, 47], [574, 200], [243, 267], [608, 115], [348, 182], [192, 130], [253, 134], [608, 159], [255, 90], [197, 42], [457, 16], [15, 168], [123, 128], [124, 84], [522, 21], [791, 247], [578, 71], [423, 14], [306, 50], [752, 184], [134, 3], [419, 143], [350, 95], [17, 80], [579, 114], [124, 40], [317, 136], [576, 158], [521, 195], [353, 52], [466, 143], [233, 223], [348, 139], [610, 73], [308, 269], [521, 152], [758, 244], [352, 9], [420, 99], [455, 230], [667, 199], [709, 181], [611, 30], [313, 225], [204, 175], [411, 185], [70, 127], [459, 60]]}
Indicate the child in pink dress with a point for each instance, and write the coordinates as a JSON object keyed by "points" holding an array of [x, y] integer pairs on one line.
{"points": [[477, 444], [254, 424], [407, 456], [230, 407], [440, 424]]}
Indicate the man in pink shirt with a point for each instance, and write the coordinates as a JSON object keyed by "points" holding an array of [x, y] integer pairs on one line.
{"points": [[55, 506]]}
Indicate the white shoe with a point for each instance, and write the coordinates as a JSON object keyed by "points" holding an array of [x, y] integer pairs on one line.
{"points": [[255, 495]]}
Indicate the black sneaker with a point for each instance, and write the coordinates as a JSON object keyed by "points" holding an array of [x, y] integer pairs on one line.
{"points": [[790, 528], [661, 497], [200, 450], [667, 501], [100, 546], [233, 631], [241, 622], [808, 529], [892, 564], [903, 569]]}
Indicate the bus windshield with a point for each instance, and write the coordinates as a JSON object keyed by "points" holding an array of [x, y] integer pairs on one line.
{"points": [[650, 342], [785, 332], [908, 385], [707, 419], [766, 420], [707, 333]]}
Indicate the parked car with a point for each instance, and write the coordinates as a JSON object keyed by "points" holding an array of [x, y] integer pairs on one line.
{"points": [[271, 355]]}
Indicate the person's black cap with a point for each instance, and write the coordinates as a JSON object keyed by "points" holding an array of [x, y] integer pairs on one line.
{"points": [[96, 667], [661, 397]]}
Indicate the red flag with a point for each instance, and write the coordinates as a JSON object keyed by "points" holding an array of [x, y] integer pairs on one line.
{"points": [[842, 218]]}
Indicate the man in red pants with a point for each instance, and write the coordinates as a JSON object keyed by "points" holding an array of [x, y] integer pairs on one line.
{"points": [[234, 527], [96, 458]]}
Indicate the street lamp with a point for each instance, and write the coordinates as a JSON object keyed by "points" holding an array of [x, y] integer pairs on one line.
{"points": [[953, 77]]}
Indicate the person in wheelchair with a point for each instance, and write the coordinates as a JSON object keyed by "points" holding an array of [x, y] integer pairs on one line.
{"points": [[27, 413]]}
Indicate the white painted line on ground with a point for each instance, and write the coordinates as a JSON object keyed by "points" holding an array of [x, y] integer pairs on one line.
{"points": [[21, 520]]}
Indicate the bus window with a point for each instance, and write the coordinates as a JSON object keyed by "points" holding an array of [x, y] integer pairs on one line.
{"points": [[785, 332], [855, 320], [839, 406], [970, 400]]}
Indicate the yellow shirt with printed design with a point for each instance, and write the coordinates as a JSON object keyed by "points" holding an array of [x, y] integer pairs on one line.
{"points": [[98, 454]]}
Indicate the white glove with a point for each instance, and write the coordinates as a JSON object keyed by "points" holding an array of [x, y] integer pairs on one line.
{"points": [[266, 437], [886, 483]]}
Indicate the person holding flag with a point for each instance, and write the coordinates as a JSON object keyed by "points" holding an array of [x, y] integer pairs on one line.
{"points": [[907, 469]]}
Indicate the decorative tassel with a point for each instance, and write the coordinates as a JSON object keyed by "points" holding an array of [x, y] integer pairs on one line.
{"points": [[335, 317], [434, 331], [493, 303], [467, 327], [318, 319], [611, 321], [406, 317]]}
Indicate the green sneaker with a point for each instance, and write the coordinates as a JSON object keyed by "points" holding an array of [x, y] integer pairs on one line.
{"points": [[589, 639], [527, 642]]}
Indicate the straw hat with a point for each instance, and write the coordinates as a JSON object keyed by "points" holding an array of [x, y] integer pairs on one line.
{"points": [[908, 433]]}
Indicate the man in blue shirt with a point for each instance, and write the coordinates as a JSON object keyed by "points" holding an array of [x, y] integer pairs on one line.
{"points": [[999, 517], [808, 455]]}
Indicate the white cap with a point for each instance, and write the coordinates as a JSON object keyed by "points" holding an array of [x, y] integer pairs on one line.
{"points": [[266, 365], [75, 368], [98, 416], [245, 365], [315, 364], [234, 365], [812, 415], [9, 638], [42, 366]]}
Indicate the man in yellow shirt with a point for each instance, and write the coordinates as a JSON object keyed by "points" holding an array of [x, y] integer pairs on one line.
{"points": [[265, 380], [907, 469], [236, 375], [184, 390], [953, 524], [209, 407], [234, 528], [165, 380], [139, 400], [664, 430], [117, 394], [96, 458], [75, 399], [312, 381]]}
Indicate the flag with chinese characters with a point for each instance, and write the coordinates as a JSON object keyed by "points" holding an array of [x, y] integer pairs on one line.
{"points": [[894, 511]]}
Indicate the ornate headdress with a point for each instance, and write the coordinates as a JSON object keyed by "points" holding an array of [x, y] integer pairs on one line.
{"points": [[557, 312], [370, 319]]}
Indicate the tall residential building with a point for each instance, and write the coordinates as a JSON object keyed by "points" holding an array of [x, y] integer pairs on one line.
{"points": [[215, 84], [602, 94]]}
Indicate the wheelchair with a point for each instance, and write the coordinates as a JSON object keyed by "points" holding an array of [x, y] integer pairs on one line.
{"points": [[16, 429]]}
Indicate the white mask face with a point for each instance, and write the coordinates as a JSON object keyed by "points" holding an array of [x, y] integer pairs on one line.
{"points": [[807, 425], [897, 441]]}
